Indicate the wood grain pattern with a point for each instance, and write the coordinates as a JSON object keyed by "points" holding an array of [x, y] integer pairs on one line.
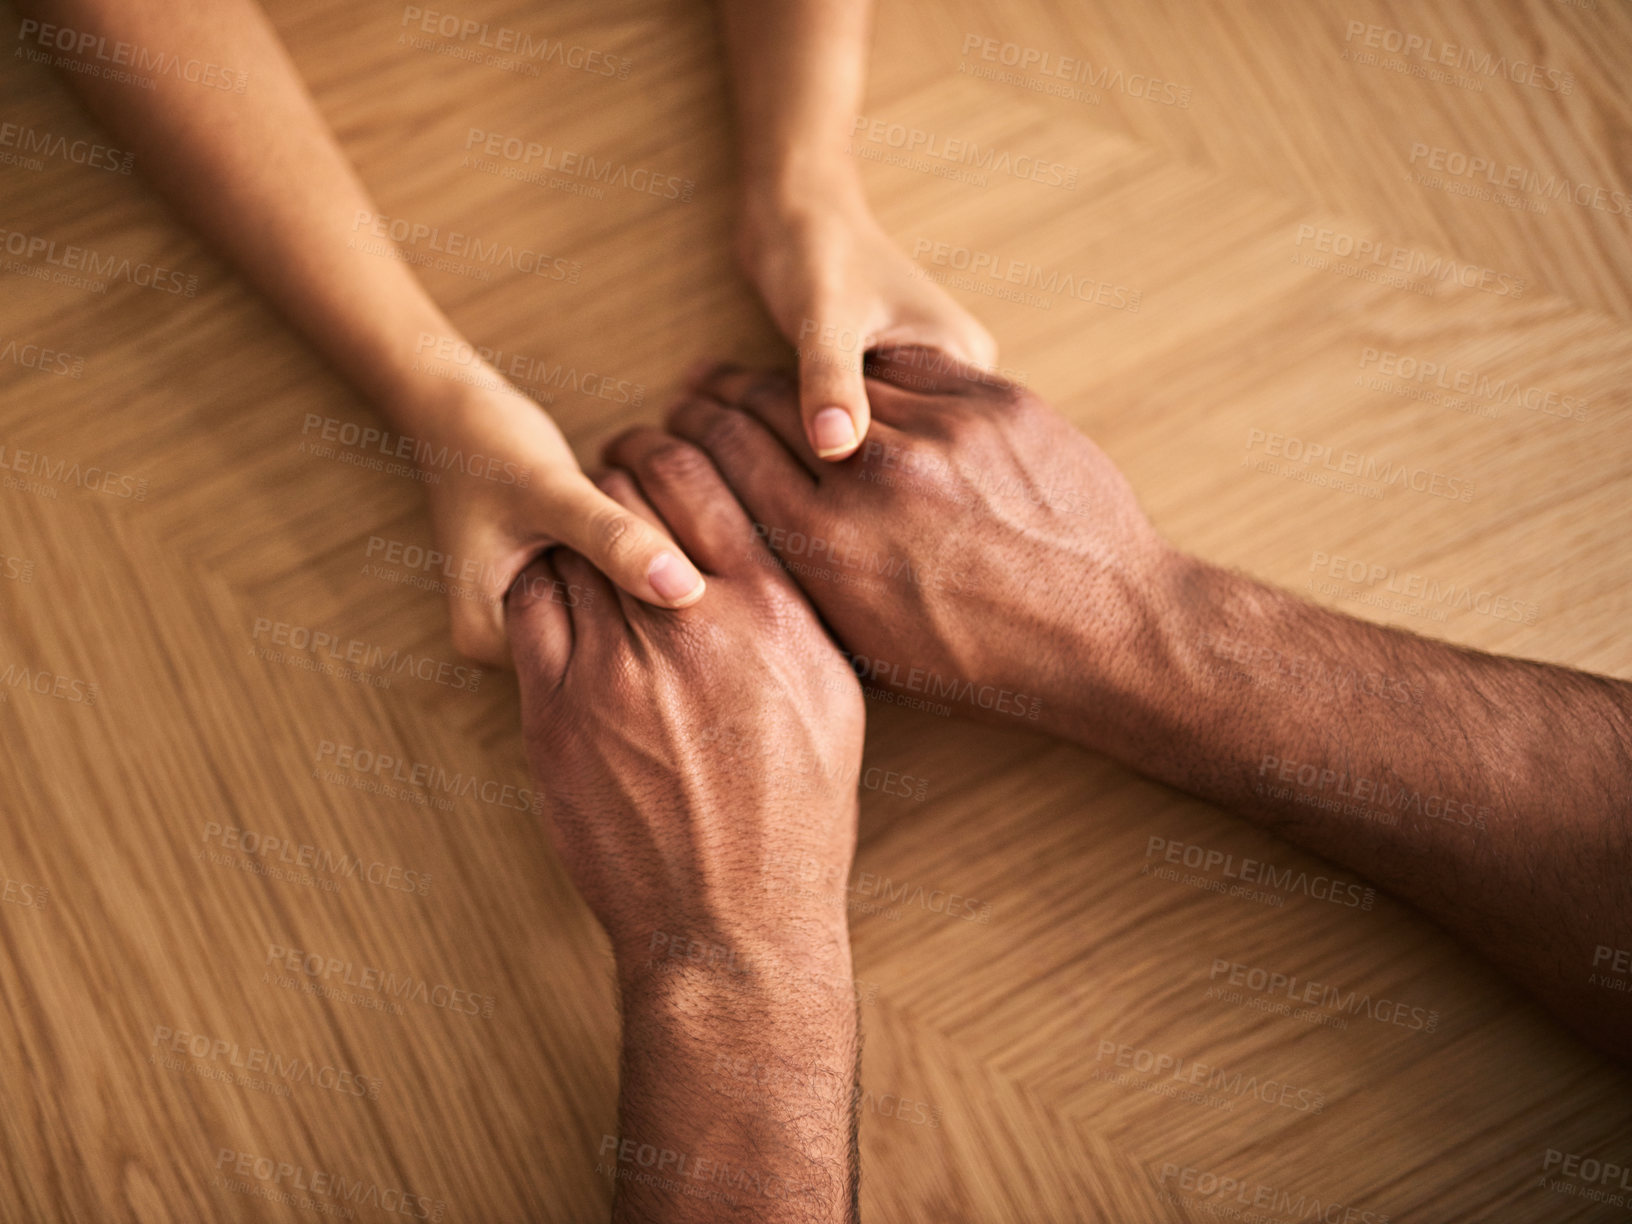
{"points": [[117, 921]]}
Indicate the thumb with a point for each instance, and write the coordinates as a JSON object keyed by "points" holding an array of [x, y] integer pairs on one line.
{"points": [[635, 555], [833, 401]]}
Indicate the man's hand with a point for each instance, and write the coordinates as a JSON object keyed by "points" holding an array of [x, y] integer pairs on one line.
{"points": [[977, 551], [980, 550], [700, 769]]}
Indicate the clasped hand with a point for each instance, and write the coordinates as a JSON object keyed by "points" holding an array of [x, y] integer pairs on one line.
{"points": [[974, 545]]}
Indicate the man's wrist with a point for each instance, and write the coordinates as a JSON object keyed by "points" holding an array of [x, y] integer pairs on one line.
{"points": [[1146, 690], [676, 970]]}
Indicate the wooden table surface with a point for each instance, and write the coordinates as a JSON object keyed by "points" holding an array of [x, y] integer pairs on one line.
{"points": [[1250, 221]]}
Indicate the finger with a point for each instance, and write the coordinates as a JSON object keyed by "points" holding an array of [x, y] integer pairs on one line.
{"points": [[621, 488], [685, 487], [768, 481], [591, 600], [628, 549], [476, 623], [927, 370], [770, 395], [833, 401], [539, 627]]}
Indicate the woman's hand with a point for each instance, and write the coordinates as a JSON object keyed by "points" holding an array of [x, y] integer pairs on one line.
{"points": [[837, 286], [503, 486]]}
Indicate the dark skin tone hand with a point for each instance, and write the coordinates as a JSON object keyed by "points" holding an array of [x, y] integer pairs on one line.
{"points": [[978, 549], [682, 851]]}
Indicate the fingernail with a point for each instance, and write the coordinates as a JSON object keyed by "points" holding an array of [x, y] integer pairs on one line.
{"points": [[674, 579], [835, 432]]}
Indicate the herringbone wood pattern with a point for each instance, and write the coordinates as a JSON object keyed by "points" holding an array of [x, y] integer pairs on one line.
{"points": [[991, 1096]]}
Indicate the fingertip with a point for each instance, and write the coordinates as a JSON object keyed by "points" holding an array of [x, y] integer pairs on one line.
{"points": [[834, 433], [674, 580]]}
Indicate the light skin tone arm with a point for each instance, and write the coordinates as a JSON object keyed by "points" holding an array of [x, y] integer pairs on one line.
{"points": [[701, 773], [260, 175], [1495, 794], [833, 281]]}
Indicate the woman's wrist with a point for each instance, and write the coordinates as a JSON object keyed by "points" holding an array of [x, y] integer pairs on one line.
{"points": [[802, 186]]}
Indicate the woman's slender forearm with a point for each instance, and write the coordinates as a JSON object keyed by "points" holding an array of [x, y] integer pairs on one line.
{"points": [[261, 176], [798, 74]]}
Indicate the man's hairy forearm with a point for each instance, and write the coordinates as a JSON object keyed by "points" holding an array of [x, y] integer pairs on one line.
{"points": [[263, 179], [1493, 793], [738, 1086]]}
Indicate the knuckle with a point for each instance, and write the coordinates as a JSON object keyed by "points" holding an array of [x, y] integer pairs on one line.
{"points": [[613, 531], [769, 389], [1015, 398], [674, 461], [726, 432]]}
